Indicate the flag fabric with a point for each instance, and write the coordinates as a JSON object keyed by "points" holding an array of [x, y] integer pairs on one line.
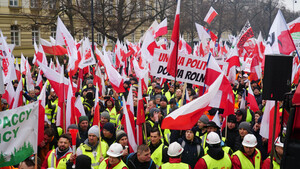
{"points": [[69, 107], [251, 100], [21, 137], [9, 94], [161, 29], [128, 122], [202, 34], [279, 40], [63, 37], [187, 115], [264, 128], [140, 117], [79, 109], [18, 98], [96, 108], [57, 49], [148, 46], [87, 58], [216, 119], [294, 26], [212, 13], [2, 90], [172, 61], [42, 104]]}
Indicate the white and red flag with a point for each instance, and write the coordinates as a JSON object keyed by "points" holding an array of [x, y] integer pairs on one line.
{"points": [[294, 26], [212, 13], [140, 116], [18, 98], [42, 104], [187, 115], [128, 121], [96, 108], [172, 61], [280, 40], [161, 29], [251, 100], [57, 49]]}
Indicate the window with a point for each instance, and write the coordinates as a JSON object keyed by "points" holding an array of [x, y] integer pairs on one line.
{"points": [[53, 32], [13, 2], [33, 3], [35, 35], [85, 32], [15, 35], [99, 38]]}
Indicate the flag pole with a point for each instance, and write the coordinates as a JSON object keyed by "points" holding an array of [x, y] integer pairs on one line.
{"points": [[100, 147], [146, 140], [226, 128], [273, 136], [35, 161]]}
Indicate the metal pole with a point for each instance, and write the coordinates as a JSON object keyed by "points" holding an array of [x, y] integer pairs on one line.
{"points": [[273, 136], [92, 24]]}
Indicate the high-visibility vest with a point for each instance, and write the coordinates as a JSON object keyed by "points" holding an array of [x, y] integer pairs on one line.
{"points": [[95, 156], [245, 162], [52, 163], [152, 124], [113, 115], [275, 164], [48, 111], [203, 140], [169, 95], [175, 165], [226, 149], [249, 116], [224, 163], [120, 165], [157, 155]]}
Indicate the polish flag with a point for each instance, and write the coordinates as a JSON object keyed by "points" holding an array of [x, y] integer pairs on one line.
{"points": [[295, 70], [148, 46], [18, 98], [212, 13], [233, 59], [23, 64], [87, 58], [216, 119], [2, 90], [113, 75], [57, 49], [294, 26], [279, 40], [18, 72], [29, 81], [63, 37], [9, 94], [98, 81], [70, 118], [203, 35], [96, 120], [47, 46], [184, 46], [128, 122], [251, 100], [140, 117], [172, 64], [187, 115], [42, 104], [161, 29], [79, 109], [266, 128], [141, 74]]}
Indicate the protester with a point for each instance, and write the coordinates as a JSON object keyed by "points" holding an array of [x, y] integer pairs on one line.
{"points": [[277, 156], [141, 159], [114, 158], [83, 127], [157, 147]]}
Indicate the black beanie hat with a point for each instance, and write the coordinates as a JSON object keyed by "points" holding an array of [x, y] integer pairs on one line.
{"points": [[83, 162], [110, 127]]}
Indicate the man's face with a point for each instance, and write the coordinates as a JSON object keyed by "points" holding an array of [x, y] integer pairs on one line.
{"points": [[107, 134], [200, 124], [157, 101], [279, 150], [150, 105], [243, 132], [84, 125], [178, 93], [154, 138], [63, 144], [145, 156], [157, 90], [210, 129], [113, 160], [109, 103], [256, 92], [31, 93], [24, 166], [163, 104], [103, 120], [231, 125], [249, 150], [189, 135], [124, 141], [47, 139], [93, 139], [239, 117]]}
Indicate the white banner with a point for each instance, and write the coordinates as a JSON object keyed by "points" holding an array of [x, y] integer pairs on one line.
{"points": [[190, 69], [18, 134]]}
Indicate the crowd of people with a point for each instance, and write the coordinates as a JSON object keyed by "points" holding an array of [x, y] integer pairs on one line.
{"points": [[206, 145]]}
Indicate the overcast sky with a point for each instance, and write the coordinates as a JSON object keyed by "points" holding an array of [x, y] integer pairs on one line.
{"points": [[289, 4]]}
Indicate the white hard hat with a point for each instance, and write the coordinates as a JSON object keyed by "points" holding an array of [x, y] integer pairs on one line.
{"points": [[249, 141], [115, 150], [213, 138], [175, 149], [278, 142]]}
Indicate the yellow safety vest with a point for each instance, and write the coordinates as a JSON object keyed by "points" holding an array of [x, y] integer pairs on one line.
{"points": [[113, 115], [175, 165], [203, 140], [48, 111], [226, 149], [120, 165], [95, 156], [152, 124], [249, 116], [224, 163], [275, 164], [52, 163], [157, 155], [246, 163]]}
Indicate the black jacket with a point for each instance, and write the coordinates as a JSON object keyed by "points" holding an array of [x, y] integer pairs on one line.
{"points": [[132, 162]]}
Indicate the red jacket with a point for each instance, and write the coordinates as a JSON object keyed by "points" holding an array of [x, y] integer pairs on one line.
{"points": [[202, 164], [236, 164]]}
